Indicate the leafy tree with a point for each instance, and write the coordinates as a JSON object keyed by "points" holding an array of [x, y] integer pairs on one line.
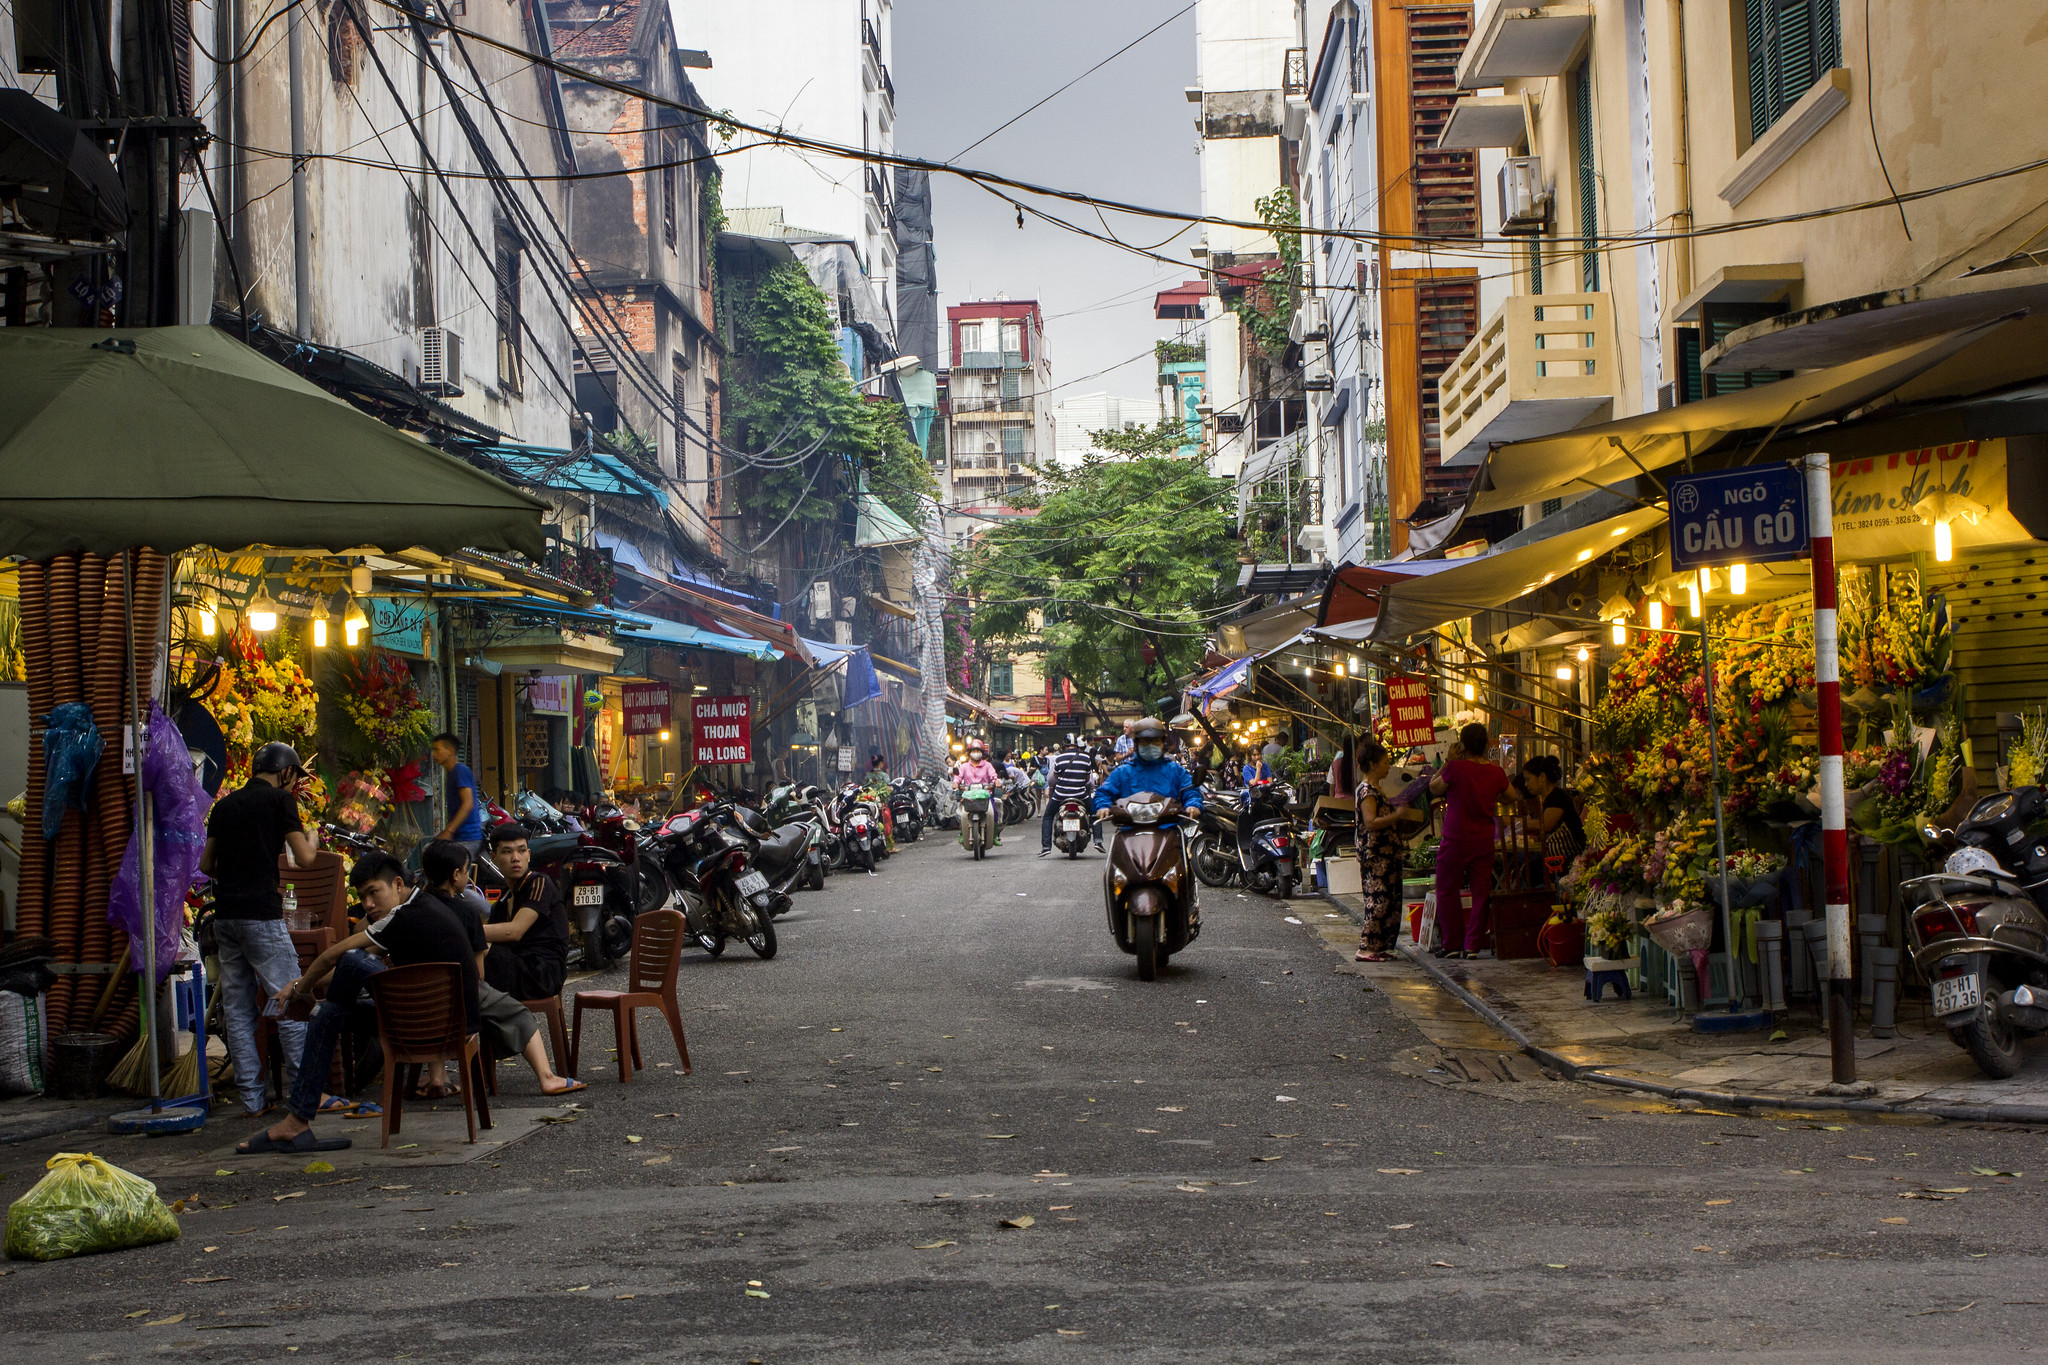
{"points": [[1123, 559]]}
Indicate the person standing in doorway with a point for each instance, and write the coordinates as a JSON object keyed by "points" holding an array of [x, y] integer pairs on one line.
{"points": [[1473, 785], [246, 832], [465, 803]]}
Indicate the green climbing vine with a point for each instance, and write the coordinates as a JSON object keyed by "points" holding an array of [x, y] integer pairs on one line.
{"points": [[1267, 307]]}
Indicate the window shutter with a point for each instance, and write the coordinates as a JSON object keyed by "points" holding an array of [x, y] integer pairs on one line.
{"points": [[1013, 384], [1446, 183], [1013, 440], [1755, 20], [1793, 68], [1686, 342], [1589, 181]]}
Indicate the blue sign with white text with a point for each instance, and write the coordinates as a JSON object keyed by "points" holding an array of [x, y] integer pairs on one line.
{"points": [[1737, 516]]}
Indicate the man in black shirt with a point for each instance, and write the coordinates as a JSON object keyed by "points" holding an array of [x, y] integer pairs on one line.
{"points": [[1069, 779], [402, 929], [529, 931], [246, 831]]}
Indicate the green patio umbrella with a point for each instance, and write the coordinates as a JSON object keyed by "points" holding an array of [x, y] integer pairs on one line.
{"points": [[175, 437]]}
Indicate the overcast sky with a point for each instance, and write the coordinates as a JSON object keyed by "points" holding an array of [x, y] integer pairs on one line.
{"points": [[963, 67]]}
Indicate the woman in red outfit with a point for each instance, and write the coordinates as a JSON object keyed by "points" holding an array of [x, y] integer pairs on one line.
{"points": [[1473, 785]]}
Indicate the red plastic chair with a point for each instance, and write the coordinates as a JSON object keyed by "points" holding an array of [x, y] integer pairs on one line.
{"points": [[657, 954], [421, 1022]]}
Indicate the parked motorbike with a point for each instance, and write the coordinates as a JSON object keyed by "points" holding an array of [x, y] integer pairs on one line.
{"points": [[1070, 832], [1147, 888], [906, 808], [1979, 935], [860, 828], [710, 850], [786, 854], [1248, 834]]}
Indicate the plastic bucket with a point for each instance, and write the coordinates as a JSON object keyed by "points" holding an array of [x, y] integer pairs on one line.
{"points": [[80, 1064]]}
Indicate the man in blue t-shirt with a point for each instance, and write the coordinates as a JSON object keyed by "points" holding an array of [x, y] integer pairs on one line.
{"points": [[465, 803]]}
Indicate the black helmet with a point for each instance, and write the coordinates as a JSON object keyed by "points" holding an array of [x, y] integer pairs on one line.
{"points": [[276, 758], [1149, 728]]}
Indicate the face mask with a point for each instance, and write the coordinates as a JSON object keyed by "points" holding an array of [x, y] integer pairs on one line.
{"points": [[1151, 753]]}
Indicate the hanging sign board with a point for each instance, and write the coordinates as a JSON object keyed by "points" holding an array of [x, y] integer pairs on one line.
{"points": [[1737, 516], [1874, 499], [547, 696], [1409, 712], [724, 729], [646, 706], [398, 625]]}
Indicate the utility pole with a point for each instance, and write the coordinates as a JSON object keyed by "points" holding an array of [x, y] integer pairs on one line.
{"points": [[1834, 833]]}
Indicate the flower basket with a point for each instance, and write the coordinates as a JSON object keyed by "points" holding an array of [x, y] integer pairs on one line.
{"points": [[1562, 941], [1681, 928]]}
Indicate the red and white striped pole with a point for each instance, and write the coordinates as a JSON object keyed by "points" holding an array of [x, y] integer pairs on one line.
{"points": [[1834, 824]]}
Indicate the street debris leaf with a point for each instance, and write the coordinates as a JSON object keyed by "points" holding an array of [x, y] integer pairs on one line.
{"points": [[633, 1137], [576, 1289], [1930, 1312], [1894, 1221], [319, 1168], [1779, 1035], [1265, 1158], [1553, 1265], [166, 1322], [139, 1313], [222, 1171], [1446, 1265], [1070, 1331], [999, 1137], [1949, 1189], [1399, 1227], [1283, 1099], [209, 1279], [657, 1161], [1991, 1170], [280, 1198], [1173, 1109], [622, 1296], [1398, 1170], [785, 1149], [1715, 1203], [1918, 1194], [1020, 1222], [1863, 1158], [933, 1246], [1190, 1189]]}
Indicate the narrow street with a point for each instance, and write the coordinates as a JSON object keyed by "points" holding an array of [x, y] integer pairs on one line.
{"points": [[1224, 1165]]}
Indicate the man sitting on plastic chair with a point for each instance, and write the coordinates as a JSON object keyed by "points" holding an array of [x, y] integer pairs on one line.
{"points": [[400, 929]]}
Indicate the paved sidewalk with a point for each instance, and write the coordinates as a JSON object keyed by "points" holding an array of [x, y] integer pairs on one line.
{"points": [[1646, 1045]]}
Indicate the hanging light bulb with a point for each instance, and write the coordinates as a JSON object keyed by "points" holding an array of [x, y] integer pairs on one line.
{"points": [[1944, 543], [1656, 614], [319, 632], [1471, 692], [1354, 665], [1338, 668], [664, 736], [1692, 598], [1738, 579], [359, 580], [354, 623], [1585, 654], [1620, 631], [209, 622], [261, 614]]}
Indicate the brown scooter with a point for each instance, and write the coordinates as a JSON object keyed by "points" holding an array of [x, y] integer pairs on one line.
{"points": [[1147, 886]]}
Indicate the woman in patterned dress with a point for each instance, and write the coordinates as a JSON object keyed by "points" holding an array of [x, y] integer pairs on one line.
{"points": [[1379, 855]]}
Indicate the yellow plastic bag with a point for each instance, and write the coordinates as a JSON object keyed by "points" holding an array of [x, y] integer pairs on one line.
{"points": [[85, 1205]]}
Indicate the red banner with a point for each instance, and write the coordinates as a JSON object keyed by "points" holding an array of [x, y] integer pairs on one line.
{"points": [[724, 729], [1408, 711], [646, 706]]}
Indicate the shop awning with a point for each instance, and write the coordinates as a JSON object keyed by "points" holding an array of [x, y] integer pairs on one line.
{"points": [[1578, 461], [1462, 587], [175, 437], [878, 525], [637, 627], [1264, 629], [591, 471], [746, 623], [1222, 682]]}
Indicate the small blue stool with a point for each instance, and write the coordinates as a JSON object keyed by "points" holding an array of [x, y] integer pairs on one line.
{"points": [[1598, 982]]}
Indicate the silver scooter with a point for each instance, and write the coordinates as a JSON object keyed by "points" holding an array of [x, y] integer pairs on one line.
{"points": [[1978, 933]]}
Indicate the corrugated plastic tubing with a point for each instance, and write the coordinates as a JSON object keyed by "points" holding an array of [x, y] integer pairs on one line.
{"points": [[150, 570], [68, 866], [101, 628], [32, 896], [93, 930]]}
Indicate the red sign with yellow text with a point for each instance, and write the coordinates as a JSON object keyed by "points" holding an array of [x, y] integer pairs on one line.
{"points": [[1408, 711], [724, 728]]}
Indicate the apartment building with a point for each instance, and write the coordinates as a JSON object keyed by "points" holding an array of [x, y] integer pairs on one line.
{"points": [[998, 424], [1075, 421]]}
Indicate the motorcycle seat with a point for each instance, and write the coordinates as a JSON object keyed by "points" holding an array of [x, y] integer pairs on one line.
{"points": [[785, 845], [546, 847]]}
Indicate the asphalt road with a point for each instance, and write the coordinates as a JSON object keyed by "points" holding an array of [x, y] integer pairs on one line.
{"points": [[1224, 1165]]}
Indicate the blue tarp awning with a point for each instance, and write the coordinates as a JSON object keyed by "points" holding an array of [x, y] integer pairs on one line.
{"points": [[639, 627], [593, 471], [1222, 680]]}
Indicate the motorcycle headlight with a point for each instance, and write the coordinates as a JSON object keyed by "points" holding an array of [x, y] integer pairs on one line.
{"points": [[1145, 812]]}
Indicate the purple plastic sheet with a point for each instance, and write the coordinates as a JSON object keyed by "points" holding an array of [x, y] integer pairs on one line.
{"points": [[179, 804]]}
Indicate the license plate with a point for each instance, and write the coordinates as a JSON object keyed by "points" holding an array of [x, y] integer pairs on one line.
{"points": [[752, 884], [1955, 994], [1070, 825], [590, 893]]}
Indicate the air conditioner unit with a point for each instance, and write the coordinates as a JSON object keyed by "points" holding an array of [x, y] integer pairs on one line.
{"points": [[1524, 199], [1311, 320], [440, 362], [1015, 469], [1317, 378]]}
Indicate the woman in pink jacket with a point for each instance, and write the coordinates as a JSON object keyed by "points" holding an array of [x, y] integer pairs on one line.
{"points": [[977, 771]]}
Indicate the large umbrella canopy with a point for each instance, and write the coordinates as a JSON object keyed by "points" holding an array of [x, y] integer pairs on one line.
{"points": [[68, 186], [174, 437]]}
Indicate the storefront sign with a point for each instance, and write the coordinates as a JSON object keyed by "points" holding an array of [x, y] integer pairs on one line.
{"points": [[724, 729], [399, 625], [1408, 711], [1737, 516], [1875, 497], [547, 696], [646, 706]]}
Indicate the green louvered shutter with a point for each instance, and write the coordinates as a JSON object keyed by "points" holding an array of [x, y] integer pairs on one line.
{"points": [[1589, 183]]}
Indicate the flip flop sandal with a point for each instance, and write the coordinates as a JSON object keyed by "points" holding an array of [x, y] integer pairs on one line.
{"points": [[571, 1088], [335, 1104], [368, 1109]]}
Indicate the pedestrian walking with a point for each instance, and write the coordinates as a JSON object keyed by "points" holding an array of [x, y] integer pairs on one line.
{"points": [[246, 832], [465, 803], [1473, 785], [1379, 856]]}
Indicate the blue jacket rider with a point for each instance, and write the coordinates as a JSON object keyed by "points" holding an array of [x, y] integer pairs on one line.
{"points": [[1148, 770]]}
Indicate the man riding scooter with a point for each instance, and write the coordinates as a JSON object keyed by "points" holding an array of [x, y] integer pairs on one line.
{"points": [[1148, 770], [977, 771]]}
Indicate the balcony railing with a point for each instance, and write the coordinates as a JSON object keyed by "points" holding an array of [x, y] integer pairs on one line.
{"points": [[1021, 404], [1294, 74], [1542, 364]]}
